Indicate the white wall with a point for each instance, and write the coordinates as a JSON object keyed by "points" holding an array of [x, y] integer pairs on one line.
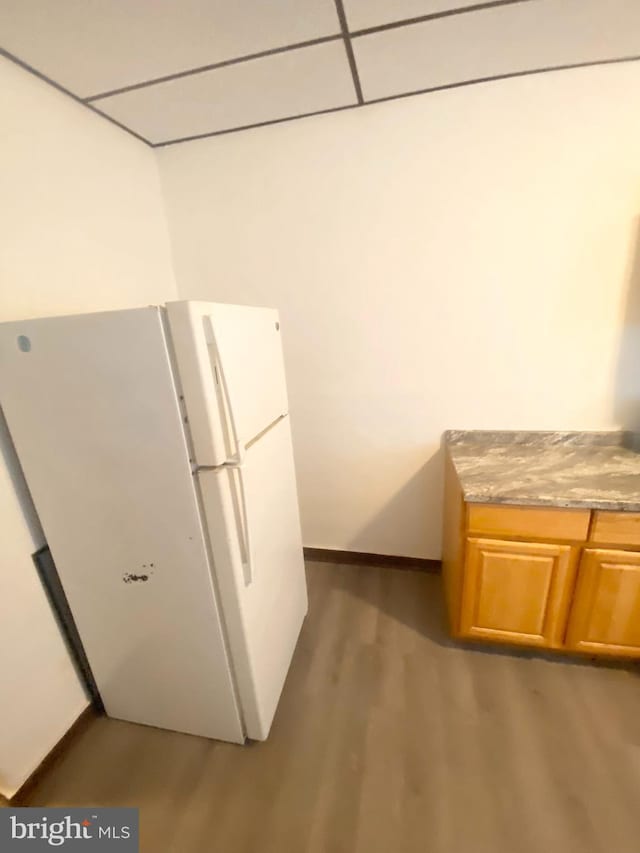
{"points": [[82, 228], [460, 259]]}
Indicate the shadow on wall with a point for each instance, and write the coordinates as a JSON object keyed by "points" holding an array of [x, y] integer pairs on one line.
{"points": [[627, 383], [409, 525], [10, 459]]}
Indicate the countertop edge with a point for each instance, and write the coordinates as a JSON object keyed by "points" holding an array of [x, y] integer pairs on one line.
{"points": [[578, 438], [610, 506]]}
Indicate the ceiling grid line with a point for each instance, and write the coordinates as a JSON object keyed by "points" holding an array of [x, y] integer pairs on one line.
{"points": [[26, 67], [388, 98], [349, 50], [268, 123], [212, 67], [506, 76], [434, 16], [387, 51]]}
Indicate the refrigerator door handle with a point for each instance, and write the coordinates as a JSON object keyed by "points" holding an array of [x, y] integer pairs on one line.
{"points": [[247, 564], [245, 532], [211, 340]]}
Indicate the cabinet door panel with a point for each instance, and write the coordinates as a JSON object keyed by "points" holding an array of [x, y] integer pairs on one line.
{"points": [[605, 616], [517, 592]]}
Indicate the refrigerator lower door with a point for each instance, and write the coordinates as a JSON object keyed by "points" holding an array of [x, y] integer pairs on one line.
{"points": [[93, 411], [254, 527]]}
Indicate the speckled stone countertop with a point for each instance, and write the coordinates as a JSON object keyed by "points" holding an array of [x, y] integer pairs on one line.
{"points": [[599, 470]]}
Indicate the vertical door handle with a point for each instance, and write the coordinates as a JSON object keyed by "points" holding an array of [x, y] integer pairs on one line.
{"points": [[211, 336], [247, 566], [247, 547]]}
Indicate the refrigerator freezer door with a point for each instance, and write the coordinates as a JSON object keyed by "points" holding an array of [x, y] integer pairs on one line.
{"points": [[93, 412], [232, 374], [263, 615]]}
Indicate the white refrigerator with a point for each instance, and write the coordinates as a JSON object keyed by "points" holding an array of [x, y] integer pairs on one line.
{"points": [[156, 446]]}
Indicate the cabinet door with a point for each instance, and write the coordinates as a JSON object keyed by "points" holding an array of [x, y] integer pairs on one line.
{"points": [[605, 615], [517, 592]]}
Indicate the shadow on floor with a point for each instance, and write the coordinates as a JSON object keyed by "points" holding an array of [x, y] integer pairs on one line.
{"points": [[416, 599]]}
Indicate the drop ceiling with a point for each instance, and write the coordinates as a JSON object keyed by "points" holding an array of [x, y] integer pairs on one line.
{"points": [[172, 70]]}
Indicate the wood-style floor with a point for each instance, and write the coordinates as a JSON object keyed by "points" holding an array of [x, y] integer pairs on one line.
{"points": [[388, 739]]}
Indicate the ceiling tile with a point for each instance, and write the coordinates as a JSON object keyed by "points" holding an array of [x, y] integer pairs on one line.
{"points": [[496, 41], [371, 13], [274, 87], [94, 46]]}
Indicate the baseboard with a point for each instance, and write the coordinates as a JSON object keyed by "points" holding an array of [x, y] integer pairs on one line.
{"points": [[53, 755], [363, 558]]}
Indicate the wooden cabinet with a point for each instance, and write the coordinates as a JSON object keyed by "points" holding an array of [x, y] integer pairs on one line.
{"points": [[605, 614], [616, 528], [546, 577], [517, 592]]}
